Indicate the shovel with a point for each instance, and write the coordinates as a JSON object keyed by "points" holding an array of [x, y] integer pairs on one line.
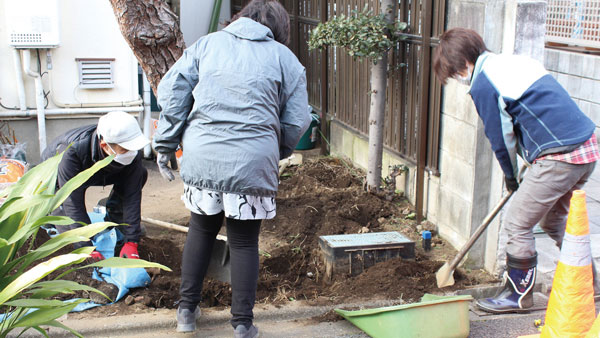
{"points": [[445, 275], [219, 267]]}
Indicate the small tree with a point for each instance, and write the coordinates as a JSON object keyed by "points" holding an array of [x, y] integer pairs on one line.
{"points": [[365, 35]]}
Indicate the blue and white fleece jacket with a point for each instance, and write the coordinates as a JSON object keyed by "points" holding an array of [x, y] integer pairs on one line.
{"points": [[525, 110]]}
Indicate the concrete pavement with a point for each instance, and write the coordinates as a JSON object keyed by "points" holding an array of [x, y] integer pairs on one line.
{"points": [[292, 320]]}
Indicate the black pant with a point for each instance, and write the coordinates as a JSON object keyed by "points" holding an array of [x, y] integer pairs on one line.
{"points": [[114, 213], [114, 206], [242, 237]]}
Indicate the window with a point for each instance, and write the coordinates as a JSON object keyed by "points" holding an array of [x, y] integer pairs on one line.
{"points": [[573, 22]]}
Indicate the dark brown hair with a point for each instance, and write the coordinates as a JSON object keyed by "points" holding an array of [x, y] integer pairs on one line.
{"points": [[269, 13], [457, 47]]}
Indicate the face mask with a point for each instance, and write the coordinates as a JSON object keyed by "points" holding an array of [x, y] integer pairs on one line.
{"points": [[126, 158], [466, 80]]}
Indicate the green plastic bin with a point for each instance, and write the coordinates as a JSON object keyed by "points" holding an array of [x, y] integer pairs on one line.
{"points": [[433, 317], [309, 139]]}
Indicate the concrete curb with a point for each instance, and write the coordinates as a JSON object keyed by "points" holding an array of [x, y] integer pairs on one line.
{"points": [[293, 317], [163, 320]]}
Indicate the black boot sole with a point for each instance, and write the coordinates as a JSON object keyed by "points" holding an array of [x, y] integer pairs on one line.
{"points": [[494, 311]]}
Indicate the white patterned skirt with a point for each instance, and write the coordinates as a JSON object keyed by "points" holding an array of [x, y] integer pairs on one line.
{"points": [[236, 206]]}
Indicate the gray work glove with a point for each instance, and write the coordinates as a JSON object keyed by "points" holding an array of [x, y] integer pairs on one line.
{"points": [[163, 159]]}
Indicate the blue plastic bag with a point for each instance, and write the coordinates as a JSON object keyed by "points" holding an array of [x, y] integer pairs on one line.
{"points": [[124, 278]]}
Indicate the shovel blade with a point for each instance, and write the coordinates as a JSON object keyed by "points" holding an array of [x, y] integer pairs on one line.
{"points": [[445, 276], [219, 267]]}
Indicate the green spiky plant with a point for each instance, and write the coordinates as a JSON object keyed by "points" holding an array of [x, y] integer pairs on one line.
{"points": [[25, 298]]}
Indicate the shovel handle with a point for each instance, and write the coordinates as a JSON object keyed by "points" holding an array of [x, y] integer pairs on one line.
{"points": [[164, 224], [488, 219]]}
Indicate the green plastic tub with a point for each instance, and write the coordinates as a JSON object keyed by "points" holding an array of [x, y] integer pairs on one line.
{"points": [[309, 139], [434, 316]]}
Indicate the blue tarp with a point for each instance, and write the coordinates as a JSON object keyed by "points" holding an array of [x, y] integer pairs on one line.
{"points": [[123, 278]]}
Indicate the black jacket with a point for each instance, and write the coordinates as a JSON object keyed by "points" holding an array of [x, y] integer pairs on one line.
{"points": [[82, 154]]}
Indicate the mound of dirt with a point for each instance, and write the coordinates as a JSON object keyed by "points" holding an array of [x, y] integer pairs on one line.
{"points": [[323, 196]]}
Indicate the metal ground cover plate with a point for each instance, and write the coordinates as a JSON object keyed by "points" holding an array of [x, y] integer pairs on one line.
{"points": [[368, 239]]}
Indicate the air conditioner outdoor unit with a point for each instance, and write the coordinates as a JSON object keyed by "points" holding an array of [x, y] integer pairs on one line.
{"points": [[32, 23]]}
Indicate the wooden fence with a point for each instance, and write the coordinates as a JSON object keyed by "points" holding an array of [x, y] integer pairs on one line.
{"points": [[341, 84]]}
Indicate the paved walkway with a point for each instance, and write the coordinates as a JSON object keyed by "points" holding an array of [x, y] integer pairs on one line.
{"points": [[292, 320]]}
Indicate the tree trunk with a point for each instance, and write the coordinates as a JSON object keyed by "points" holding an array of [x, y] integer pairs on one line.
{"points": [[377, 110], [152, 31]]}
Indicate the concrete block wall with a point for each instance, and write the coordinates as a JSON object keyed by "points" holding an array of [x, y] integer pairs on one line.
{"points": [[452, 208], [579, 74], [350, 144]]}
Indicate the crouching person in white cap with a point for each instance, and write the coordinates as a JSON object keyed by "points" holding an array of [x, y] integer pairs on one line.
{"points": [[119, 134]]}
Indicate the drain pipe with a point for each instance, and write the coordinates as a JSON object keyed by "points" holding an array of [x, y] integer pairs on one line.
{"points": [[39, 99], [19, 79], [67, 112], [147, 114]]}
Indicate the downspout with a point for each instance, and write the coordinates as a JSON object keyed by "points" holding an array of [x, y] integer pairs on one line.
{"points": [[214, 18], [147, 114], [424, 113], [19, 79], [39, 99]]}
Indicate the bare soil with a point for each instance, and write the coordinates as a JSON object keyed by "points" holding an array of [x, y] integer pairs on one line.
{"points": [[323, 196]]}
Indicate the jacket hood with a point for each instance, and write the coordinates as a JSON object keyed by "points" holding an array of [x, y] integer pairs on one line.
{"points": [[249, 29]]}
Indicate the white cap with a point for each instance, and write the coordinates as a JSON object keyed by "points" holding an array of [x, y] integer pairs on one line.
{"points": [[123, 129]]}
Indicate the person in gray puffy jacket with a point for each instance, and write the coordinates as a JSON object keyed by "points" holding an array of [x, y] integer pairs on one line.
{"points": [[237, 102]]}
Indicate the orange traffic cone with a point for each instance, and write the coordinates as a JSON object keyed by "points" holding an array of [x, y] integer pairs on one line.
{"points": [[571, 310], [595, 330]]}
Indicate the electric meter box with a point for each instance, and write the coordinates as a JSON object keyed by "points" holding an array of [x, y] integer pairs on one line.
{"points": [[32, 23]]}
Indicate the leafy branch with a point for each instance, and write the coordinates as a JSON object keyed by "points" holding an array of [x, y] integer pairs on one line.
{"points": [[363, 34]]}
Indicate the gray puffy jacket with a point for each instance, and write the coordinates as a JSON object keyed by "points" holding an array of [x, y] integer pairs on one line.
{"points": [[237, 101]]}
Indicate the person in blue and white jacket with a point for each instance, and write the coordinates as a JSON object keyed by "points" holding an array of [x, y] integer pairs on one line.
{"points": [[525, 112]]}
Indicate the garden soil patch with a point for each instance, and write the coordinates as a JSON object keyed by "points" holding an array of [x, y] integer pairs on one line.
{"points": [[323, 196]]}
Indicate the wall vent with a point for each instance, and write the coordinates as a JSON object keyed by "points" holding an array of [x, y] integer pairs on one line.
{"points": [[96, 73]]}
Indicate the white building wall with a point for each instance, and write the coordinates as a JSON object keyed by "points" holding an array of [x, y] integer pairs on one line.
{"points": [[195, 18], [88, 29]]}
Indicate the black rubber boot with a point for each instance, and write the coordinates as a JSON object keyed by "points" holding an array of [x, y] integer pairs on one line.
{"points": [[517, 292]]}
